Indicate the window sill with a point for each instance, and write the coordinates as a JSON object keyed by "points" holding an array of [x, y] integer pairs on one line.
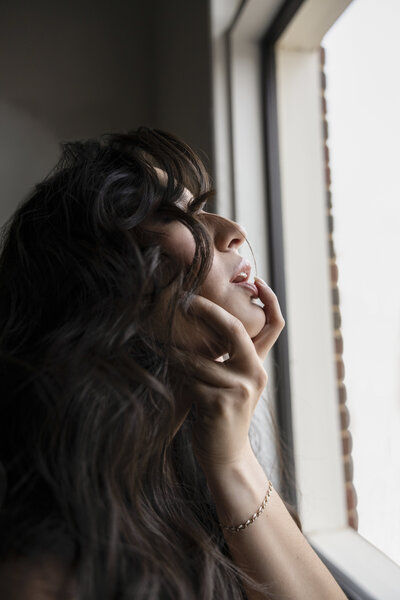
{"points": [[363, 571]]}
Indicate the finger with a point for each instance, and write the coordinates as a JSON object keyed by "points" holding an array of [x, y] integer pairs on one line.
{"points": [[229, 328], [274, 321], [194, 367]]}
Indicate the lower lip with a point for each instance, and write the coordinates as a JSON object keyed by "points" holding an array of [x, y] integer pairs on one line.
{"points": [[249, 286]]}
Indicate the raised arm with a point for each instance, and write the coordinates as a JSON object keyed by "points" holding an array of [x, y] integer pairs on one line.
{"points": [[272, 550]]}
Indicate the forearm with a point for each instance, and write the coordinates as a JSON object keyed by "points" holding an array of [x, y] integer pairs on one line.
{"points": [[272, 550]]}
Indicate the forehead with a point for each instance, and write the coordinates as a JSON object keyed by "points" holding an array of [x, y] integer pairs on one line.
{"points": [[186, 196]]}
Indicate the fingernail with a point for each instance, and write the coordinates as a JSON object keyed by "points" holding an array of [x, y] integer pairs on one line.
{"points": [[260, 280]]}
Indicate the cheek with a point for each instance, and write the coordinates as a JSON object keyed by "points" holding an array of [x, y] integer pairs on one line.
{"points": [[234, 300]]}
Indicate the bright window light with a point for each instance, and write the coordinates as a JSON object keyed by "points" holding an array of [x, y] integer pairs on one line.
{"points": [[363, 100]]}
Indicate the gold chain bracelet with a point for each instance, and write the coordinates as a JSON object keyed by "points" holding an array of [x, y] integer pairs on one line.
{"points": [[250, 520]]}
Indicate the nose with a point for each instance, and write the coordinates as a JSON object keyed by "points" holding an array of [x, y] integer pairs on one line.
{"points": [[229, 235]]}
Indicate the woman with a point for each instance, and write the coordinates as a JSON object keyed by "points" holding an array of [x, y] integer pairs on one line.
{"points": [[128, 471]]}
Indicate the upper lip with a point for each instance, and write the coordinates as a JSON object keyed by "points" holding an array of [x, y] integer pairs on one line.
{"points": [[243, 267]]}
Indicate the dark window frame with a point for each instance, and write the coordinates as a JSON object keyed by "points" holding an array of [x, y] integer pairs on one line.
{"points": [[275, 238]]}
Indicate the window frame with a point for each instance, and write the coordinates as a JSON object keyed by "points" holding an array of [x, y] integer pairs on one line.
{"points": [[270, 57]]}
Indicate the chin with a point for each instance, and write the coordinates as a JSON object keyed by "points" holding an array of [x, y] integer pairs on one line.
{"points": [[253, 320]]}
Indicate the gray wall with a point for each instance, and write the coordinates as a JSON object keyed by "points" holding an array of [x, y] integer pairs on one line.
{"points": [[78, 69]]}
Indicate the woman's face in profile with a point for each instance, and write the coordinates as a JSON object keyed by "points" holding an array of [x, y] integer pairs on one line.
{"points": [[224, 285]]}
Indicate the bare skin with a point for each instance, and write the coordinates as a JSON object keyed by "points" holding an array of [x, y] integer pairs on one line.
{"points": [[272, 551]]}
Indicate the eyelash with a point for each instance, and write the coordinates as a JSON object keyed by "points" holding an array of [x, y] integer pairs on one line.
{"points": [[201, 206], [193, 210]]}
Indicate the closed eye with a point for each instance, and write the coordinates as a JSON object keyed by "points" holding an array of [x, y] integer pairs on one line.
{"points": [[197, 206]]}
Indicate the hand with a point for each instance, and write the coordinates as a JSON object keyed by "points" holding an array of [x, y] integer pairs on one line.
{"points": [[226, 393]]}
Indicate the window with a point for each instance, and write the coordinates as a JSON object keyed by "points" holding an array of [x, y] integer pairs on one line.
{"points": [[268, 81], [363, 99]]}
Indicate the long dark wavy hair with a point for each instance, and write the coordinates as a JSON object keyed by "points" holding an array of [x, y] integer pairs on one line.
{"points": [[95, 475]]}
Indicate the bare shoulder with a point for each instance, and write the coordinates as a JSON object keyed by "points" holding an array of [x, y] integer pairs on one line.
{"points": [[45, 578]]}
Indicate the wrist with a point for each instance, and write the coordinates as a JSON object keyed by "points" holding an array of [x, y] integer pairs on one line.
{"points": [[238, 488], [236, 468]]}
